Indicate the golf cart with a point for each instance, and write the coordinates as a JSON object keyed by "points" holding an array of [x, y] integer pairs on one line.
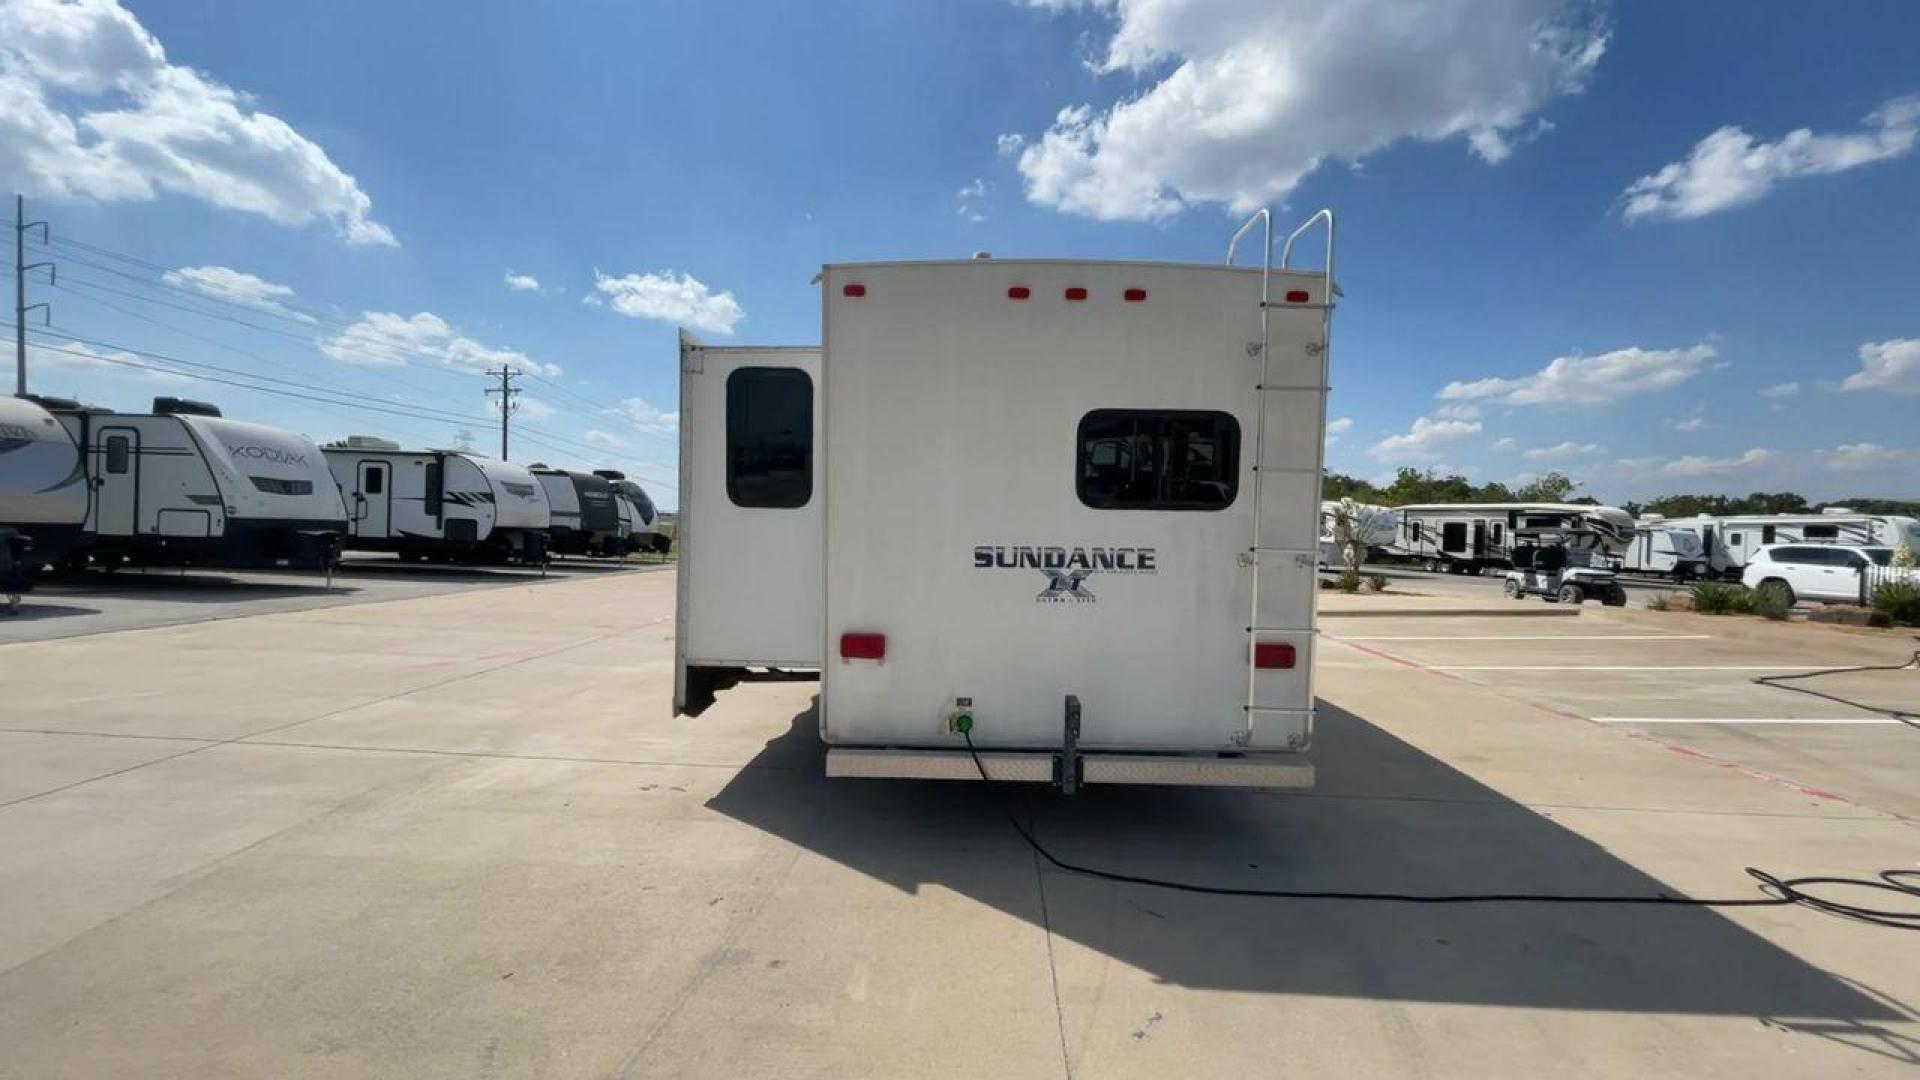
{"points": [[1559, 565]]}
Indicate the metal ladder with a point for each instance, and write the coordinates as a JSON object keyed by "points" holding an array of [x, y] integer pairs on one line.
{"points": [[1257, 552]]}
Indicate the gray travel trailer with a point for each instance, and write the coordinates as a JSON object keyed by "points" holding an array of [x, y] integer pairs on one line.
{"points": [[43, 482], [637, 511], [1661, 551], [1467, 538], [585, 513], [443, 505], [183, 485]]}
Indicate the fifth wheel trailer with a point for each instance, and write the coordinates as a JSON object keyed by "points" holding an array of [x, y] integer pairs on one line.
{"points": [[439, 504], [1730, 540], [1471, 537], [1061, 513], [183, 485]]}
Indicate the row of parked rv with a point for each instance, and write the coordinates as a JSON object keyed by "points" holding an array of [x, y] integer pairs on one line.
{"points": [[184, 485], [1470, 538]]}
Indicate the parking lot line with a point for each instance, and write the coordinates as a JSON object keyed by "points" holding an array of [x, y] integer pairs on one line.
{"points": [[1523, 637], [1745, 720], [1626, 667]]}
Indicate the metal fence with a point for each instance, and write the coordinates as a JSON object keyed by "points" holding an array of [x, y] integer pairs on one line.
{"points": [[1876, 577]]}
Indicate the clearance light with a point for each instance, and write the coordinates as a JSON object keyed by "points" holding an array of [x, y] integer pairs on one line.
{"points": [[857, 289], [1019, 292], [1136, 296], [1297, 296], [1076, 293], [1267, 654], [863, 646]]}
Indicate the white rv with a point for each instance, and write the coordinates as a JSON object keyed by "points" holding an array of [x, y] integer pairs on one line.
{"points": [[43, 482], [586, 514], [444, 505], [1467, 538], [1660, 550], [1064, 513], [1374, 527], [1730, 540], [184, 486], [637, 513]]}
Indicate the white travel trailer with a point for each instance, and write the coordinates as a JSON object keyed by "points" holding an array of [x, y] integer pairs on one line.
{"points": [[1061, 513], [637, 513], [585, 509], [444, 505], [1467, 538], [43, 483], [1661, 550], [184, 486], [1729, 540], [1374, 527]]}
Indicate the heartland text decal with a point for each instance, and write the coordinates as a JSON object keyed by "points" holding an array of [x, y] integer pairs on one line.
{"points": [[1067, 568]]}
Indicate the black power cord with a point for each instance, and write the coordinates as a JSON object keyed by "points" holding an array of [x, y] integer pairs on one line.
{"points": [[1777, 892], [1778, 682]]}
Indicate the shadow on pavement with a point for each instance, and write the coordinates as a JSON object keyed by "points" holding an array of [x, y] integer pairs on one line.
{"points": [[1385, 817], [192, 587], [31, 610]]}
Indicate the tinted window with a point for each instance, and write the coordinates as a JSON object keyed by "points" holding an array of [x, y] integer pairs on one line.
{"points": [[1880, 556], [1496, 532], [1733, 539], [435, 474], [770, 437], [375, 481], [1766, 534], [1149, 459], [117, 453], [1821, 532]]}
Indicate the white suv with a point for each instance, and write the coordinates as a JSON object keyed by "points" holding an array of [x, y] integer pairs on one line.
{"points": [[1811, 571]]}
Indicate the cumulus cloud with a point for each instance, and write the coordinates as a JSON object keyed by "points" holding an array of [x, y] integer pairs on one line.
{"points": [[647, 418], [969, 199], [1731, 168], [1694, 420], [1779, 391], [1009, 144], [1562, 451], [236, 286], [1340, 426], [1870, 457], [77, 358], [1698, 465], [605, 440], [1424, 440], [1506, 443], [1244, 99], [1887, 365], [1591, 380], [385, 337], [671, 297], [1458, 411], [90, 108], [522, 282]]}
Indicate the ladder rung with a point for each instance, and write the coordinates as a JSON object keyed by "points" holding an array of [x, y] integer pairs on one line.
{"points": [[1272, 389], [1287, 551], [1281, 469], [1281, 630], [1297, 307]]}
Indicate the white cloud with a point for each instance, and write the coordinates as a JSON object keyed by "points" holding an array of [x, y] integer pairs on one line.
{"points": [[1244, 98], [1887, 365], [1424, 440], [605, 440], [969, 199], [1591, 380], [1009, 144], [1340, 426], [1506, 443], [676, 298], [1697, 465], [384, 337], [1458, 411], [1562, 451], [1870, 457], [1695, 419], [522, 282], [90, 108], [74, 357], [1730, 168], [1780, 390], [236, 286], [647, 418]]}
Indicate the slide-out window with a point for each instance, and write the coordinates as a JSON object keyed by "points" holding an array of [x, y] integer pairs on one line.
{"points": [[119, 451], [770, 438], [1158, 459]]}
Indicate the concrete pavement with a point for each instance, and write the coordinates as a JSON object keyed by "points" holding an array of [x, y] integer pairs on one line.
{"points": [[460, 836]]}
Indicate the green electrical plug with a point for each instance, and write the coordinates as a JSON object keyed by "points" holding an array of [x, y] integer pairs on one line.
{"points": [[963, 721]]}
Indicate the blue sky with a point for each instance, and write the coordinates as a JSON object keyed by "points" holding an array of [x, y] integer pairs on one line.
{"points": [[1526, 287]]}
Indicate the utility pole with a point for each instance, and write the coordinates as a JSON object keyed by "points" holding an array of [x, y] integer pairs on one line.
{"points": [[507, 392], [20, 305]]}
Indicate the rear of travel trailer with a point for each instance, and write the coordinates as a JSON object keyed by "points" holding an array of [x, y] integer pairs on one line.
{"points": [[1067, 514], [1374, 529], [585, 512], [1736, 538], [439, 504], [43, 486], [183, 485], [637, 511], [1662, 551]]}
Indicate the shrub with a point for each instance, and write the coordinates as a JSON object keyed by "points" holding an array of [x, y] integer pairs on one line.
{"points": [[1769, 605], [1349, 580], [1900, 601], [1717, 598], [1377, 582]]}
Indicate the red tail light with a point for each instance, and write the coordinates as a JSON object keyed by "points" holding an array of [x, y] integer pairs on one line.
{"points": [[863, 646], [1076, 293], [1298, 296], [1135, 296], [1272, 654], [853, 289], [1019, 292]]}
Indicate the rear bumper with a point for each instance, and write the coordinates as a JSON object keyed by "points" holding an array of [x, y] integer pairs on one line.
{"points": [[1179, 770]]}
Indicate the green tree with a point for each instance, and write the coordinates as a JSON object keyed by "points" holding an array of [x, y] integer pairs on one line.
{"points": [[1553, 487]]}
